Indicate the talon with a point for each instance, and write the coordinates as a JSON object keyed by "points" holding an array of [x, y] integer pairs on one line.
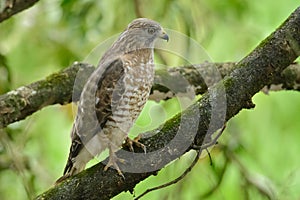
{"points": [[120, 174], [129, 142], [113, 159]]}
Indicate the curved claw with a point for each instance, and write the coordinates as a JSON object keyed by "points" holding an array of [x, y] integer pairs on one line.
{"points": [[113, 159], [129, 142]]}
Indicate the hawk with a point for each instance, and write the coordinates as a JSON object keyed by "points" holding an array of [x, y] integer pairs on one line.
{"points": [[114, 96]]}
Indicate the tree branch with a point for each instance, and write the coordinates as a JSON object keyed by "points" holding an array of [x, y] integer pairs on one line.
{"points": [[259, 68], [56, 88], [12, 7]]}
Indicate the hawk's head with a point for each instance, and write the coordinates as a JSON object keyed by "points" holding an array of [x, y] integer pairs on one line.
{"points": [[141, 33], [144, 29]]}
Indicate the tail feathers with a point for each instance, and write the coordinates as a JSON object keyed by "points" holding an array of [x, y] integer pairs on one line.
{"points": [[79, 156], [68, 171], [75, 166], [71, 169], [76, 161]]}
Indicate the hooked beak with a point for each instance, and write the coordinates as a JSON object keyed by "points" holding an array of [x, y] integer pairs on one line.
{"points": [[164, 35]]}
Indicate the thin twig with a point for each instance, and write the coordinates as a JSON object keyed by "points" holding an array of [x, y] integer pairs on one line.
{"points": [[210, 143], [175, 180], [209, 156]]}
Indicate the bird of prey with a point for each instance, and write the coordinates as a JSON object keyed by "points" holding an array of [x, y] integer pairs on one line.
{"points": [[114, 96]]}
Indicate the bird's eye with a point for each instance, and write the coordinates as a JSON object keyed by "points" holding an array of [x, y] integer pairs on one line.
{"points": [[151, 30]]}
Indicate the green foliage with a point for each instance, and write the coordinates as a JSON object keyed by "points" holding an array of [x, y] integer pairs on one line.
{"points": [[259, 147]]}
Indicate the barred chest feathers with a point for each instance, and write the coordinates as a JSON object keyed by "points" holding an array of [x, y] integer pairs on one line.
{"points": [[136, 85]]}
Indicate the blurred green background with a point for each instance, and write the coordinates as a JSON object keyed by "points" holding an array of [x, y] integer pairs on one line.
{"points": [[258, 153]]}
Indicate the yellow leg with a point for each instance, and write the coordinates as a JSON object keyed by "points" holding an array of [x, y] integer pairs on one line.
{"points": [[113, 159]]}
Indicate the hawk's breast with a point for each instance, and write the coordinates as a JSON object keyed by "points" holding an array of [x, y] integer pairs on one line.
{"points": [[136, 85]]}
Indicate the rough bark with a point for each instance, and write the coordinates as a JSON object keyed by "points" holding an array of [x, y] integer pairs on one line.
{"points": [[262, 66], [12, 7]]}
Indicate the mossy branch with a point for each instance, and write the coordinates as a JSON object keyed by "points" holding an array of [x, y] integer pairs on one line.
{"points": [[55, 89], [261, 67]]}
